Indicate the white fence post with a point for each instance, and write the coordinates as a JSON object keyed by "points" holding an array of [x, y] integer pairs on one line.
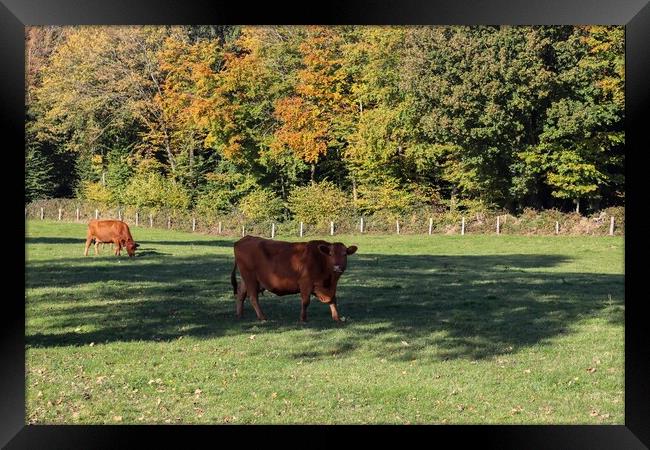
{"points": [[498, 225], [397, 224], [60, 213], [77, 214], [137, 218], [611, 226], [193, 223], [42, 215], [430, 225], [462, 227], [331, 228], [243, 230], [119, 214], [361, 224], [96, 214], [557, 227], [219, 227], [272, 230], [300, 229], [150, 220], [169, 222]]}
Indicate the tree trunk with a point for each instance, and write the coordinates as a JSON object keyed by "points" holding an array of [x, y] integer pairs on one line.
{"points": [[284, 197], [354, 190], [313, 172], [170, 156], [577, 205]]}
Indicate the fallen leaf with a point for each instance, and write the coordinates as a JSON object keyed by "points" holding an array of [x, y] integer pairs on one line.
{"points": [[527, 371], [591, 369], [406, 344], [251, 337], [117, 418], [91, 344], [274, 395]]}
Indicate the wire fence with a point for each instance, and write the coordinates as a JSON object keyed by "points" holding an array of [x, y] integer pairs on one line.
{"points": [[610, 221]]}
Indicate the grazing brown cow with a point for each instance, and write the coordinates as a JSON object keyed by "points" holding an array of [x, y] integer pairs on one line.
{"points": [[114, 231], [284, 268]]}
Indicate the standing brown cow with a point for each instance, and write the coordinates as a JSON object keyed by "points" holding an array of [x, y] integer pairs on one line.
{"points": [[114, 231], [284, 268]]}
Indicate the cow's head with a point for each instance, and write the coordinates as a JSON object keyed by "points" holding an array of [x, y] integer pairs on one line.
{"points": [[130, 247], [337, 255]]}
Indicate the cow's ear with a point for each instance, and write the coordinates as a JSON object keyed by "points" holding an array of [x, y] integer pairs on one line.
{"points": [[351, 249], [325, 249]]}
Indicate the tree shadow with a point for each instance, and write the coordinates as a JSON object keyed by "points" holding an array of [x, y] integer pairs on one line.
{"points": [[54, 240], [397, 306], [82, 240], [210, 243]]}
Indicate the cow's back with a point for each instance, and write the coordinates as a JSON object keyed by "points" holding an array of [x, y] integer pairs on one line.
{"points": [[109, 230]]}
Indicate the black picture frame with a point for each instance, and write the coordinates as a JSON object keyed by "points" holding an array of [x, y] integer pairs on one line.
{"points": [[634, 14]]}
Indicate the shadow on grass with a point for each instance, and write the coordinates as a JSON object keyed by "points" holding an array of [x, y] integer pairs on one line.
{"points": [[400, 307], [82, 240], [210, 243], [54, 240]]}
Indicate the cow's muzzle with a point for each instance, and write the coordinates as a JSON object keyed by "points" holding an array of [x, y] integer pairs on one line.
{"points": [[338, 269]]}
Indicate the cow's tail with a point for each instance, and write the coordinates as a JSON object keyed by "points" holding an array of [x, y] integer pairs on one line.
{"points": [[233, 279]]}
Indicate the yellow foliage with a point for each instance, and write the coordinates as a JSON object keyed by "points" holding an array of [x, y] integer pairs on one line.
{"points": [[96, 192]]}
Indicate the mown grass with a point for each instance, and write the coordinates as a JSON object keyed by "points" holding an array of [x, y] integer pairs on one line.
{"points": [[440, 329]]}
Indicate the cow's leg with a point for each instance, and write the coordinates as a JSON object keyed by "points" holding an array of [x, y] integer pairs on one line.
{"points": [[96, 247], [239, 299], [118, 249], [304, 300], [253, 290], [89, 240], [335, 312]]}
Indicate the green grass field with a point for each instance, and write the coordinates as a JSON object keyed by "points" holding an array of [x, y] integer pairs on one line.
{"points": [[440, 329]]}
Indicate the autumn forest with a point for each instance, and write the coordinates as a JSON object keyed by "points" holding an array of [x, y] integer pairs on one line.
{"points": [[278, 121]]}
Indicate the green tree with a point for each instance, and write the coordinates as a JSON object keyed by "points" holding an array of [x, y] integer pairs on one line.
{"points": [[318, 203], [39, 175]]}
